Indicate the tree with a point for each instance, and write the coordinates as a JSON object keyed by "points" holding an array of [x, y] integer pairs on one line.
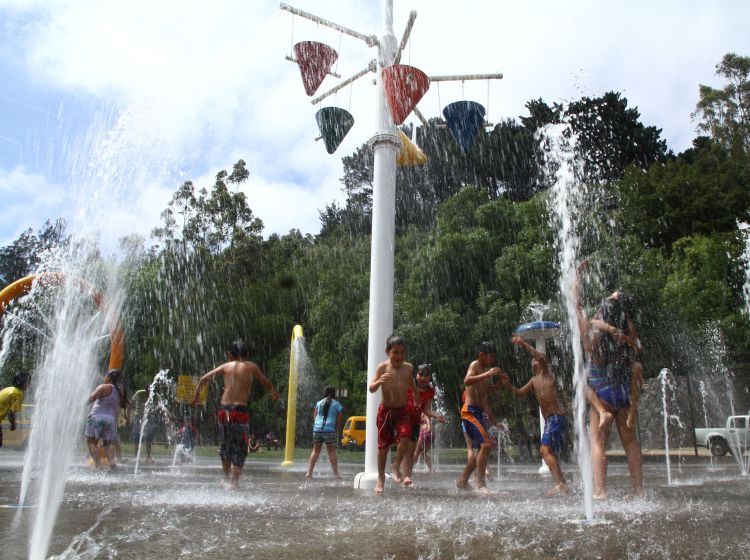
{"points": [[725, 113], [21, 257], [610, 134], [210, 221]]}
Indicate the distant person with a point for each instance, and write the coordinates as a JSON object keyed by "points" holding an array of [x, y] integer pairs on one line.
{"points": [[101, 423], [614, 380], [187, 439], [521, 439], [271, 441], [395, 378], [425, 442], [11, 400], [253, 445], [545, 389], [534, 434], [143, 423], [234, 418], [476, 416], [426, 396], [326, 427]]}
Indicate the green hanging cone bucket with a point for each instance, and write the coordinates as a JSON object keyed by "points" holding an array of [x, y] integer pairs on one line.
{"points": [[334, 124]]}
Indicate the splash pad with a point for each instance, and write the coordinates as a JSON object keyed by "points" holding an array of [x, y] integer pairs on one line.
{"points": [[184, 512]]}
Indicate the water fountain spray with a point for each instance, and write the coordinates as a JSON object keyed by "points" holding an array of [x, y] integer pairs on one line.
{"points": [[565, 169]]}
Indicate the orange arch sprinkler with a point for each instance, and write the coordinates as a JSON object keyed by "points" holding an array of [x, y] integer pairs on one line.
{"points": [[23, 286]]}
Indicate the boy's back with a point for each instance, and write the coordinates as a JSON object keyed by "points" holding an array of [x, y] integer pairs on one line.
{"points": [[238, 381]]}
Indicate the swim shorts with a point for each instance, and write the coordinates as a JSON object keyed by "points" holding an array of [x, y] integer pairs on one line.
{"points": [[103, 427], [426, 436], [393, 424], [234, 421], [611, 384], [554, 433], [329, 438], [475, 425]]}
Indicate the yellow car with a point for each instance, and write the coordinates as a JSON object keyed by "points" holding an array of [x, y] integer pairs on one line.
{"points": [[354, 433], [18, 438]]}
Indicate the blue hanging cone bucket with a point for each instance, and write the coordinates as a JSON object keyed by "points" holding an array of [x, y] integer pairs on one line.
{"points": [[464, 118], [334, 124]]}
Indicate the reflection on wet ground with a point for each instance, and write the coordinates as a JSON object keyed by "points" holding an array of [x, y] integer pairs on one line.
{"points": [[185, 512]]}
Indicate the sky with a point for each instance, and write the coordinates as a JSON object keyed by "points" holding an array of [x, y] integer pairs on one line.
{"points": [[107, 107]]}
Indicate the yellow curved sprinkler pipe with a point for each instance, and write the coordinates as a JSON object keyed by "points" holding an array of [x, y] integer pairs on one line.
{"points": [[23, 286], [291, 406]]}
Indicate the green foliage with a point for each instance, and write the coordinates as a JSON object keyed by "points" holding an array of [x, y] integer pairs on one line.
{"points": [[475, 246], [704, 191], [725, 113]]}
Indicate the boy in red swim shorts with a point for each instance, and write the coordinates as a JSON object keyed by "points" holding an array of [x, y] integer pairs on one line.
{"points": [[238, 373], [395, 377]]}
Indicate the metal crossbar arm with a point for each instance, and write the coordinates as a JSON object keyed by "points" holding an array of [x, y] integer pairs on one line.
{"points": [[370, 68], [405, 38], [371, 40], [292, 59], [420, 116], [461, 78]]}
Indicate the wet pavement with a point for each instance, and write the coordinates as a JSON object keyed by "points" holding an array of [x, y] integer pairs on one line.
{"points": [[184, 512]]}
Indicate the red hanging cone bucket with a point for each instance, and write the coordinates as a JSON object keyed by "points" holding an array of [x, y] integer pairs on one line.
{"points": [[404, 87], [315, 61]]}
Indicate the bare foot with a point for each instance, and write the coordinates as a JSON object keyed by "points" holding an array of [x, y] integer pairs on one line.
{"points": [[336, 475], [635, 495], [485, 491], [630, 421], [604, 418], [308, 475], [463, 485], [407, 481], [600, 495], [396, 474], [380, 485], [558, 489]]}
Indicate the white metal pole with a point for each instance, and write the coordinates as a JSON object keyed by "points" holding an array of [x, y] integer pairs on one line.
{"points": [[541, 346], [385, 144]]}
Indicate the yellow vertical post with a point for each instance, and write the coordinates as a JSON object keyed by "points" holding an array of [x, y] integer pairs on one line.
{"points": [[291, 407]]}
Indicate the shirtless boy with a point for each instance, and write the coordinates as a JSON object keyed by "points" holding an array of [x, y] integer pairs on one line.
{"points": [[395, 378], [239, 373], [543, 385], [476, 415]]}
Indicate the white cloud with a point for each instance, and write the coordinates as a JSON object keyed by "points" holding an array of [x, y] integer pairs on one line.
{"points": [[28, 199]]}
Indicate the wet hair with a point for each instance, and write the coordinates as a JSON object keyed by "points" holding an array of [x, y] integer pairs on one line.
{"points": [[484, 347], [21, 380], [329, 393], [424, 369], [394, 340], [238, 349], [114, 376], [613, 313]]}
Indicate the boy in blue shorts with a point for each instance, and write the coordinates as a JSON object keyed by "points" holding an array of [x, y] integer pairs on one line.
{"points": [[476, 416], [545, 389]]}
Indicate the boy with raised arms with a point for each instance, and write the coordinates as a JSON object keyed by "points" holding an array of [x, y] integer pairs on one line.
{"points": [[234, 418], [395, 378], [545, 390]]}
